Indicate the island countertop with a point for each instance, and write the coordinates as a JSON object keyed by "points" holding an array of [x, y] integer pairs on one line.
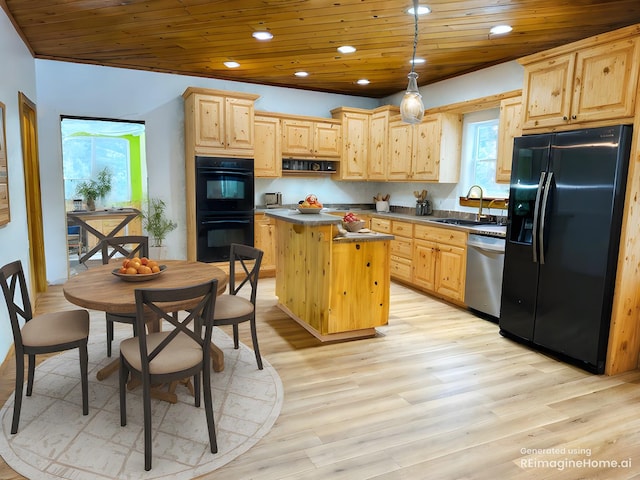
{"points": [[318, 219], [294, 216]]}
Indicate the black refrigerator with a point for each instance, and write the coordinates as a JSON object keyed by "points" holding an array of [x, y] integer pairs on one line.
{"points": [[566, 202]]}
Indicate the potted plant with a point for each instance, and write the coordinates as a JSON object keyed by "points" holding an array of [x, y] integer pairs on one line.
{"points": [[92, 189], [156, 223]]}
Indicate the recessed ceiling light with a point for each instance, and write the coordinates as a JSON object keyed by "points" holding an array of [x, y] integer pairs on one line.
{"points": [[500, 29], [231, 64], [418, 61], [363, 81], [262, 35], [301, 74], [422, 10], [346, 49]]}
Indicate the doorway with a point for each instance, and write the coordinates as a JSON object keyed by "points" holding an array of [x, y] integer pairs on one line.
{"points": [[89, 146]]}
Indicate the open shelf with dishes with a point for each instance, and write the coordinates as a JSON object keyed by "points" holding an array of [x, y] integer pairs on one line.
{"points": [[309, 167]]}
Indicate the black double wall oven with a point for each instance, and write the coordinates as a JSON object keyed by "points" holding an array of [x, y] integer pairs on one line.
{"points": [[224, 206]]}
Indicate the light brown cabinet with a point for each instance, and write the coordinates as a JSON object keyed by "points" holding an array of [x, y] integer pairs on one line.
{"points": [[440, 261], [401, 250], [302, 138], [268, 152], [355, 141], [509, 127], [593, 84], [219, 122], [265, 240], [378, 148], [428, 151], [401, 246]]}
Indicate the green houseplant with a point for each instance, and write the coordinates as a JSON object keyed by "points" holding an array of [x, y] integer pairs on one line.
{"points": [[156, 223], [92, 189]]}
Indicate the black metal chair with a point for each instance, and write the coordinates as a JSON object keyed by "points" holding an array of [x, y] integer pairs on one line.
{"points": [[129, 246], [232, 309], [171, 355], [46, 333]]}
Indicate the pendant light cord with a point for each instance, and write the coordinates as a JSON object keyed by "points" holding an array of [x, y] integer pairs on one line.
{"points": [[415, 33]]}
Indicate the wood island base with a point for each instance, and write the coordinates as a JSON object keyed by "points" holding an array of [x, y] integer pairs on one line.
{"points": [[331, 337], [335, 284]]}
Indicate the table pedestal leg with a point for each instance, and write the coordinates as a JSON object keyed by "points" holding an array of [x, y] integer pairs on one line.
{"points": [[217, 358]]}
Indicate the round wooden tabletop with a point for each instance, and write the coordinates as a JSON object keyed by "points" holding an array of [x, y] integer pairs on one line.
{"points": [[98, 289]]}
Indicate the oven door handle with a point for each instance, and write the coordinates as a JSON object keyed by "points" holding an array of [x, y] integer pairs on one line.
{"points": [[225, 171], [210, 222]]}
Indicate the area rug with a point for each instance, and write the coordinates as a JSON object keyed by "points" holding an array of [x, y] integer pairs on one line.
{"points": [[55, 441]]}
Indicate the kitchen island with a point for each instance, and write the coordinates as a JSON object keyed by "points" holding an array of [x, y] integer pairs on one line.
{"points": [[335, 285]]}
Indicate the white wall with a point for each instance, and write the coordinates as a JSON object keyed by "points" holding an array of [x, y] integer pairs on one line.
{"points": [[156, 98], [18, 75]]}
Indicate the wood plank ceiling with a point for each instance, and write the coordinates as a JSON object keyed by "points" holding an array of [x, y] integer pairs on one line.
{"points": [[195, 37]]}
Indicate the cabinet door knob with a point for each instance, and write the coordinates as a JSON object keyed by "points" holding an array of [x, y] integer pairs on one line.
{"points": [[573, 117], [565, 118]]}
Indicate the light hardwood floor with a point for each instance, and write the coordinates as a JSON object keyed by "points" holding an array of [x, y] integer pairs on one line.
{"points": [[439, 394]]}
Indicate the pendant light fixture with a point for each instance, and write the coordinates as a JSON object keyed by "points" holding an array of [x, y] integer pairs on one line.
{"points": [[411, 107]]}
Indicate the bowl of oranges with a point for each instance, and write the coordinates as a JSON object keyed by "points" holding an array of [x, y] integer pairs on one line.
{"points": [[139, 269]]}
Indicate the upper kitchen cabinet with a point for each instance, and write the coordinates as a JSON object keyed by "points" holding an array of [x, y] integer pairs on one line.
{"points": [[218, 122], [428, 151], [378, 149], [355, 140], [268, 152], [590, 82], [509, 127], [311, 138]]}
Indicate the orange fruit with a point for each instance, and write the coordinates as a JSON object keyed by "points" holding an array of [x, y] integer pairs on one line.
{"points": [[125, 263], [131, 271], [155, 269], [152, 263], [122, 270], [144, 260]]}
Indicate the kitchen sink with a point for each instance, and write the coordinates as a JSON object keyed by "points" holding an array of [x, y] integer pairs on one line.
{"points": [[464, 222]]}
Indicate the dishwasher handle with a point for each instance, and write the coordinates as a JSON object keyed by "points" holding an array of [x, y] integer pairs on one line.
{"points": [[497, 246]]}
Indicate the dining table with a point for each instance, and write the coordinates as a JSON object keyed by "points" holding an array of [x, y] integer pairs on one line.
{"points": [[99, 288]]}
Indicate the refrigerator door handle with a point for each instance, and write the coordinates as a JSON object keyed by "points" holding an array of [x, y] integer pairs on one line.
{"points": [[536, 210], [543, 214]]}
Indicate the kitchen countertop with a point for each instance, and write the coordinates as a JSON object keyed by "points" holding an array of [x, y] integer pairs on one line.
{"points": [[325, 218], [318, 219]]}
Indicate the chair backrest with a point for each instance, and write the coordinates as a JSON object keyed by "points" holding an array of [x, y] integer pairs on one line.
{"points": [[128, 246], [249, 259], [199, 315], [14, 288]]}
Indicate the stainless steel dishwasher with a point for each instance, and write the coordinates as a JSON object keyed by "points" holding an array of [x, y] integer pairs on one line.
{"points": [[483, 287]]}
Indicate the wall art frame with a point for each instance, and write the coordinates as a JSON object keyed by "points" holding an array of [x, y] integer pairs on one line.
{"points": [[5, 212]]}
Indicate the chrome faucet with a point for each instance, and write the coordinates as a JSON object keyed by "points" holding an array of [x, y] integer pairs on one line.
{"points": [[480, 216]]}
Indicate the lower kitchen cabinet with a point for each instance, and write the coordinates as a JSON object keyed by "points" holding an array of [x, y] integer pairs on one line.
{"points": [[433, 259], [440, 261], [401, 246], [265, 240], [401, 250]]}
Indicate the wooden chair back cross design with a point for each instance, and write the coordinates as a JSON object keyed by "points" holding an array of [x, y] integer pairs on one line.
{"points": [[46, 333], [171, 355], [233, 309], [128, 246]]}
